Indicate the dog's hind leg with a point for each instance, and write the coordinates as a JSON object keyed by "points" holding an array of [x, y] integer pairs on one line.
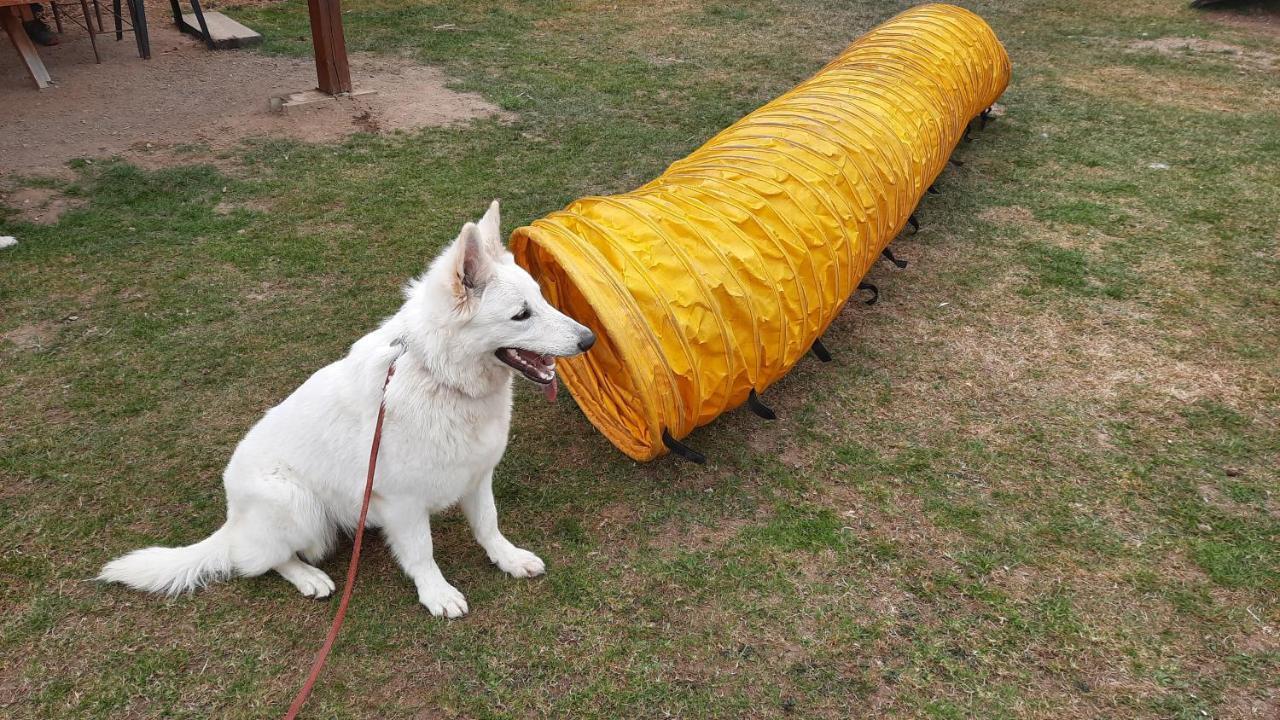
{"points": [[311, 581], [273, 519]]}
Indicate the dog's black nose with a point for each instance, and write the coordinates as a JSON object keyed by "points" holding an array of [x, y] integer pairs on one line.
{"points": [[586, 341]]}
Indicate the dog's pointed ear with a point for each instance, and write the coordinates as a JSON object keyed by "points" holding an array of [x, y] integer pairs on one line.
{"points": [[472, 265], [491, 231]]}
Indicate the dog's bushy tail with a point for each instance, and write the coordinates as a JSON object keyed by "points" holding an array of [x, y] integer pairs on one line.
{"points": [[173, 571]]}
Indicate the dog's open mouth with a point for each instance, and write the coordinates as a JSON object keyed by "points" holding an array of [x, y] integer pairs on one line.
{"points": [[540, 369]]}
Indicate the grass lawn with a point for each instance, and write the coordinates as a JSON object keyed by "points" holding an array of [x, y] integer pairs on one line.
{"points": [[1039, 480]]}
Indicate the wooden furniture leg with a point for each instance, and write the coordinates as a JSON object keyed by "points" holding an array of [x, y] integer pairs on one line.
{"points": [[12, 21]]}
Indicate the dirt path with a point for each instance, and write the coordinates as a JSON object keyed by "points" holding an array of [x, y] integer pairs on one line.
{"points": [[187, 95]]}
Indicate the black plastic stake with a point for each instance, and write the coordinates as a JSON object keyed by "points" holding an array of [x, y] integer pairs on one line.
{"points": [[759, 408], [887, 254], [820, 351], [682, 450], [875, 292]]}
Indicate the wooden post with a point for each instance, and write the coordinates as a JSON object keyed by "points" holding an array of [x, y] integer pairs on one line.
{"points": [[11, 18], [332, 69]]}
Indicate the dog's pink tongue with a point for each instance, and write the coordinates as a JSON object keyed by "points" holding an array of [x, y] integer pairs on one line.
{"points": [[550, 389]]}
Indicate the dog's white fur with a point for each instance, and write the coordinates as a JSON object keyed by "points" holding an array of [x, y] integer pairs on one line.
{"points": [[297, 478]]}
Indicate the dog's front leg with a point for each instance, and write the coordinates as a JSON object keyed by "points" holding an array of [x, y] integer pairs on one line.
{"points": [[407, 527], [482, 514]]}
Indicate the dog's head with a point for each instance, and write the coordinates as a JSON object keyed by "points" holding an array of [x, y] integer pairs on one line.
{"points": [[493, 308]]}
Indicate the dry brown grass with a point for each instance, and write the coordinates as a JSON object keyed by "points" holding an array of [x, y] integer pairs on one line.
{"points": [[1200, 49], [1187, 92]]}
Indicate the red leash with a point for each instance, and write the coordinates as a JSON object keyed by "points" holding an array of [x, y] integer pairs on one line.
{"points": [[318, 665]]}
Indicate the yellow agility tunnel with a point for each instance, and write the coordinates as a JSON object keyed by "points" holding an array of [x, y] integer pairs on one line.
{"points": [[714, 279]]}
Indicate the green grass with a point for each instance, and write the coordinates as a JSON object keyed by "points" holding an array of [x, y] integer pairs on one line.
{"points": [[1038, 481]]}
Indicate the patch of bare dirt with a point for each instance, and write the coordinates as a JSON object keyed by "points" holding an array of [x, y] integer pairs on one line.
{"points": [[35, 336], [1200, 48], [1241, 707], [1011, 215], [1215, 498], [154, 111], [682, 535], [258, 205], [783, 445], [1264, 639], [615, 517], [267, 291], [1261, 20], [41, 206]]}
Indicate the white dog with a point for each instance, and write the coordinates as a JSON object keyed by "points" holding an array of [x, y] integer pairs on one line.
{"points": [[298, 477]]}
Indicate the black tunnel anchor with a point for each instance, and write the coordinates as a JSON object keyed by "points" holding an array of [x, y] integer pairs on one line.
{"points": [[820, 351], [759, 408], [887, 254], [684, 451], [875, 292]]}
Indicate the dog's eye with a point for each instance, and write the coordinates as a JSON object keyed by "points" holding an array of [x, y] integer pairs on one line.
{"points": [[522, 315]]}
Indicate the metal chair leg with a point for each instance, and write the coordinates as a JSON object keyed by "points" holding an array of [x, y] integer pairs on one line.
{"points": [[115, 11], [138, 14], [204, 27], [57, 17], [97, 10], [88, 22]]}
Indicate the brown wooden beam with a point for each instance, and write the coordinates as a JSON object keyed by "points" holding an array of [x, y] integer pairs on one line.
{"points": [[332, 68], [11, 18]]}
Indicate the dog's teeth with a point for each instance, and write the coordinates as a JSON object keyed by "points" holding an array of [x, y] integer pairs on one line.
{"points": [[535, 366]]}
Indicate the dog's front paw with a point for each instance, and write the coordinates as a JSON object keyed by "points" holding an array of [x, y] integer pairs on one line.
{"points": [[442, 599], [520, 563]]}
